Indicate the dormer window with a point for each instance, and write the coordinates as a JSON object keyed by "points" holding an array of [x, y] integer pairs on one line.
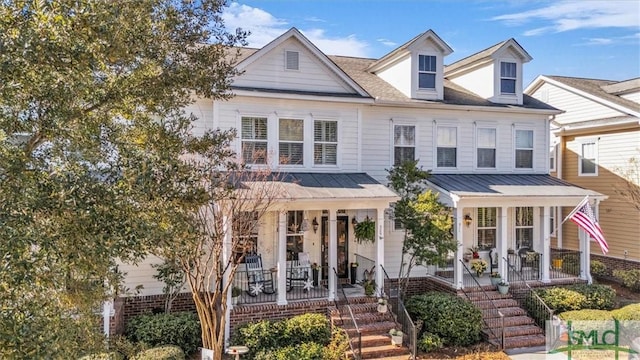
{"points": [[508, 75], [426, 72], [292, 60]]}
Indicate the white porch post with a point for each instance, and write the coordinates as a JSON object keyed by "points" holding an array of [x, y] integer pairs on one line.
{"points": [[503, 268], [458, 273], [380, 248], [333, 252], [546, 243], [282, 258], [585, 249]]}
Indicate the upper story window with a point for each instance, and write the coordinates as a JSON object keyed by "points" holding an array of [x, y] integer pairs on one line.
{"points": [[292, 60], [486, 152], [552, 157], [524, 227], [325, 142], [291, 141], [487, 227], [508, 75], [588, 158], [524, 149], [254, 140], [404, 143], [426, 72], [446, 151]]}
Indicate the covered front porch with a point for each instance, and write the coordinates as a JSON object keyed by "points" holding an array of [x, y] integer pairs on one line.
{"points": [[306, 245], [503, 224]]}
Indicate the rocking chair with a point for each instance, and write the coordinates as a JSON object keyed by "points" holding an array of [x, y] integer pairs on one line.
{"points": [[258, 279]]}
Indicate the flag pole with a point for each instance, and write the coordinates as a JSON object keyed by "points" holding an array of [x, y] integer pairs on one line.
{"points": [[575, 209]]}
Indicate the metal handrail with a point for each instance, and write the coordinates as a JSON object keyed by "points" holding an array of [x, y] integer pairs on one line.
{"points": [[400, 313], [343, 314], [493, 307], [530, 291]]}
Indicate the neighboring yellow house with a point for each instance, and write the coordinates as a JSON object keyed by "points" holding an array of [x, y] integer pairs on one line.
{"points": [[592, 144]]}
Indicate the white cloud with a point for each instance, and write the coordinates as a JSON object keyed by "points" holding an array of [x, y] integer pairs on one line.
{"points": [[387, 42], [628, 39], [571, 15], [264, 27]]}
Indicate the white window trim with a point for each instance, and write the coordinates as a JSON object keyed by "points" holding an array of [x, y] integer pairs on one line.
{"points": [[478, 227], [338, 147], [515, 79], [516, 227], [553, 218], [427, 93], [242, 140], [582, 142], [435, 144], [402, 122], [514, 148], [305, 136], [553, 154], [418, 72], [476, 147]]}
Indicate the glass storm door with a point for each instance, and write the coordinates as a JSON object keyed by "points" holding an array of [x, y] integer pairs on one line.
{"points": [[342, 229]]}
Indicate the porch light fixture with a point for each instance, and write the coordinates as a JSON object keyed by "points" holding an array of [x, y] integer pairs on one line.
{"points": [[315, 224], [468, 220]]}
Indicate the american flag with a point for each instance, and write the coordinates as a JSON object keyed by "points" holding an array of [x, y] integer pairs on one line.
{"points": [[583, 216]]}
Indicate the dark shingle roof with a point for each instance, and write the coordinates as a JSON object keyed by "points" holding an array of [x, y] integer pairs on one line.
{"points": [[596, 87]]}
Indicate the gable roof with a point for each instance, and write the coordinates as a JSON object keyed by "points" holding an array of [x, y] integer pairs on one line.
{"points": [[250, 58], [404, 49], [486, 55], [595, 89]]}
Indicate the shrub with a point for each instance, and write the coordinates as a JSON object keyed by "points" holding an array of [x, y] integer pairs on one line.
{"points": [[454, 320], [562, 299], [168, 352], [571, 264], [306, 328], [601, 297], [258, 336], [588, 320], [103, 356], [629, 312], [429, 342], [629, 278], [125, 347], [598, 268], [304, 351], [338, 345], [179, 329]]}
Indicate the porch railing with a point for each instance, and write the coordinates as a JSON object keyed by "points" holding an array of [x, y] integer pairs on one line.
{"points": [[364, 264], [565, 263], [527, 266], [400, 313], [445, 272], [491, 317], [268, 292], [529, 300], [349, 323]]}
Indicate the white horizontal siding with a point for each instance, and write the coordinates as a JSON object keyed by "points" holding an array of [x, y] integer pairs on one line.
{"points": [[203, 110], [635, 97], [616, 149], [269, 72], [577, 108], [399, 75], [141, 275], [480, 81]]}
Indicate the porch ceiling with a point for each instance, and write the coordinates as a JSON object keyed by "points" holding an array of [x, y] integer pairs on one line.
{"points": [[529, 189], [346, 190]]}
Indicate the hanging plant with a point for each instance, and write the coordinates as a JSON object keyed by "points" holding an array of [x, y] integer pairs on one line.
{"points": [[365, 231]]}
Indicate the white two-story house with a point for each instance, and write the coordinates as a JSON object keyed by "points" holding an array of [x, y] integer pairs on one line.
{"points": [[335, 124]]}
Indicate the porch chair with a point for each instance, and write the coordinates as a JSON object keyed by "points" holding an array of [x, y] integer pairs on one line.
{"points": [[298, 271], [528, 258], [258, 279]]}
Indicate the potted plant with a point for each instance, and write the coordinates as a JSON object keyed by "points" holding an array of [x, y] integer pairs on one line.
{"points": [[369, 287], [503, 287], [557, 263], [479, 266], [235, 294], [495, 278], [382, 305], [315, 269], [474, 252], [396, 337], [354, 272], [365, 231]]}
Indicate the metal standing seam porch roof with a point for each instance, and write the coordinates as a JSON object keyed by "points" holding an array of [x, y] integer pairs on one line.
{"points": [[509, 185]]}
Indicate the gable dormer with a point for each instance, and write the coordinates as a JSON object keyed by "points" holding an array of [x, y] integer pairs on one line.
{"points": [[416, 68], [494, 73]]}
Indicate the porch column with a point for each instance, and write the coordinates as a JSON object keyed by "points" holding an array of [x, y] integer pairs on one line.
{"points": [[457, 227], [282, 258], [380, 249], [546, 243], [333, 253], [585, 249], [503, 268]]}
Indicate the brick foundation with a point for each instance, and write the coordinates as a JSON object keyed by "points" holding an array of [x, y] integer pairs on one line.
{"points": [[615, 263]]}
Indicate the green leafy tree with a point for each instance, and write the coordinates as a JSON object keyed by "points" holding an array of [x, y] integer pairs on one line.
{"points": [[426, 222], [91, 94]]}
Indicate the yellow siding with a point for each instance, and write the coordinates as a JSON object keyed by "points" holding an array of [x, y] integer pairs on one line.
{"points": [[619, 220]]}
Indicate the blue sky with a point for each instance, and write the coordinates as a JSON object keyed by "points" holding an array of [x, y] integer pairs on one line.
{"points": [[588, 38]]}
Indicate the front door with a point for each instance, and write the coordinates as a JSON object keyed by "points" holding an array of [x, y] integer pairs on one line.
{"points": [[343, 246]]}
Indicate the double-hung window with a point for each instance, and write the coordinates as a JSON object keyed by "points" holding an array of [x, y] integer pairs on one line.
{"points": [[524, 149], [325, 142], [426, 72], [552, 157], [254, 140], [524, 227], [486, 152], [291, 141], [446, 151], [487, 227], [508, 75], [404, 143], [588, 158]]}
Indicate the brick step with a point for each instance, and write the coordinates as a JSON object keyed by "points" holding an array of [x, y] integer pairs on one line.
{"points": [[478, 296], [376, 328], [477, 289], [506, 311], [513, 331], [499, 303], [524, 341], [381, 352], [398, 357], [518, 320], [375, 340]]}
